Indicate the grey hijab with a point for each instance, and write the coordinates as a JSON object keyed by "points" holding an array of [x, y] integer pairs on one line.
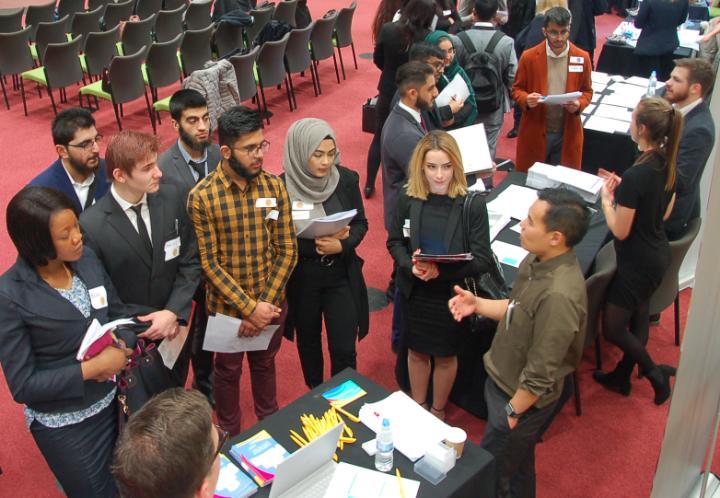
{"points": [[303, 137]]}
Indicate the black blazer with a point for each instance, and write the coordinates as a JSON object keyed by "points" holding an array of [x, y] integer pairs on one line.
{"points": [[176, 170], [41, 332], [56, 177], [582, 32], [659, 20], [137, 277], [348, 193], [389, 54], [401, 248]]}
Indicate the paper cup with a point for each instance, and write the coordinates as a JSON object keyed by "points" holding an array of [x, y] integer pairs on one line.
{"points": [[456, 438]]}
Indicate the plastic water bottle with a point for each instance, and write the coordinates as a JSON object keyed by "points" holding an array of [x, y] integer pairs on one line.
{"points": [[652, 84], [384, 454]]}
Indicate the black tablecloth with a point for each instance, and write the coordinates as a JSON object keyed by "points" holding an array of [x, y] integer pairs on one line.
{"points": [[621, 59], [473, 475]]}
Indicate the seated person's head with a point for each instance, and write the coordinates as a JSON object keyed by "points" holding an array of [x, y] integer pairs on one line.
{"points": [[436, 167], [169, 448], [556, 222], [76, 140], [556, 28], [131, 164], [190, 117], [485, 10], [242, 141], [430, 54], [691, 80], [43, 226], [542, 6], [416, 82]]}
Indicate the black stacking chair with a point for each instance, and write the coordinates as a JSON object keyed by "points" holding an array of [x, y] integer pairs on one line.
{"points": [[198, 15], [271, 69], [195, 49], [39, 13], [15, 59], [86, 22], [169, 24], [297, 57], [342, 37], [116, 12]]}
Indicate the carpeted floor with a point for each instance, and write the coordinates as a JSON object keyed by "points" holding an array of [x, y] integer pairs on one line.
{"points": [[610, 451]]}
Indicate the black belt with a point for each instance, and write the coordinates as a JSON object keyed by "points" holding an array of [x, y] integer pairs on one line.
{"points": [[324, 260]]}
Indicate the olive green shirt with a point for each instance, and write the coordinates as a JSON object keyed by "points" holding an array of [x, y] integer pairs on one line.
{"points": [[541, 337]]}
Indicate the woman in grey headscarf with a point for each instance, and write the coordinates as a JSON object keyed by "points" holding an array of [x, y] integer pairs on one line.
{"points": [[327, 281]]}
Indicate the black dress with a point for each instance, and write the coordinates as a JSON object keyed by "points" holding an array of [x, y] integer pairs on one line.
{"points": [[430, 328], [644, 255]]}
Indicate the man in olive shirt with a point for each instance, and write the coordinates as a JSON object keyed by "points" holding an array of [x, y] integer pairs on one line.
{"points": [[539, 339]]}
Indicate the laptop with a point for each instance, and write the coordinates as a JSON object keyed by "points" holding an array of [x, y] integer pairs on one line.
{"points": [[307, 472]]}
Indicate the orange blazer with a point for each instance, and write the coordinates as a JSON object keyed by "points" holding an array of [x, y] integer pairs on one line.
{"points": [[532, 77]]}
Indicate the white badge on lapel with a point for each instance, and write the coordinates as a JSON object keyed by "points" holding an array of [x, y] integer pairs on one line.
{"points": [[575, 69], [266, 202], [406, 228], [303, 206], [273, 215], [98, 297], [172, 248], [577, 60]]}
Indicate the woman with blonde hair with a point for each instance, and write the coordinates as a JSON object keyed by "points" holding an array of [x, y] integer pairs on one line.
{"points": [[635, 207], [428, 220]]}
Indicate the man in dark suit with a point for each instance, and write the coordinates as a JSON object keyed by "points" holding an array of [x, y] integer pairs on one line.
{"points": [[404, 128], [74, 173], [582, 29], [185, 163], [689, 83], [141, 233]]}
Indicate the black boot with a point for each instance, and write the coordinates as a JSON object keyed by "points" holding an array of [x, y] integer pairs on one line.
{"points": [[618, 380], [659, 377]]}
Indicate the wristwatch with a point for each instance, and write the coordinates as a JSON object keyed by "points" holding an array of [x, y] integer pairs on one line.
{"points": [[510, 411]]}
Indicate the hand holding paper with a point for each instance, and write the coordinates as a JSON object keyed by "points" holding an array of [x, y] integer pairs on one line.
{"points": [[561, 99]]}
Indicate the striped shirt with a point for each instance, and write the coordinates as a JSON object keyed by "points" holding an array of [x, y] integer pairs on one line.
{"points": [[248, 247]]}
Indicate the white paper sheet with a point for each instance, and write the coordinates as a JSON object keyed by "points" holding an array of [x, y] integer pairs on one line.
{"points": [[473, 148], [595, 97], [516, 228], [598, 77], [560, 99], [95, 331], [620, 100], [614, 112], [689, 38], [497, 222], [588, 110], [514, 201], [508, 254], [170, 349], [327, 225], [606, 125], [456, 88], [598, 87], [221, 336], [359, 482]]}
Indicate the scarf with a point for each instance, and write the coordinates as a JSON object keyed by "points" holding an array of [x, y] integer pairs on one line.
{"points": [[303, 137]]}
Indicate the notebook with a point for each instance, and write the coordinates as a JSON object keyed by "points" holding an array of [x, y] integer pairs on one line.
{"points": [[232, 482], [259, 456]]}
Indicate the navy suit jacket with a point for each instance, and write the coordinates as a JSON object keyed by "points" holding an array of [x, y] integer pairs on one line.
{"points": [[56, 177], [41, 332], [659, 20]]}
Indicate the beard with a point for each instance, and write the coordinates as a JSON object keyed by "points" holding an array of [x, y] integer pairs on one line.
{"points": [[424, 105], [241, 170], [83, 167], [193, 144], [676, 96]]}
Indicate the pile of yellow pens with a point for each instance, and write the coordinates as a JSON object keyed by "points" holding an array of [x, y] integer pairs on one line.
{"points": [[313, 427]]}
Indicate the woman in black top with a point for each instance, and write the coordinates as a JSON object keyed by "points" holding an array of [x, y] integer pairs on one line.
{"points": [[48, 298], [391, 51], [635, 207], [327, 281], [428, 219]]}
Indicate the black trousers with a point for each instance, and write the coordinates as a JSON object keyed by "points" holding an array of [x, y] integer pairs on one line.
{"points": [[80, 454], [325, 293], [514, 450], [382, 110], [202, 361]]}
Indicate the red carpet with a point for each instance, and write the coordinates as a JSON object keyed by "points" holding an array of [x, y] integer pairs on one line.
{"points": [[611, 451]]}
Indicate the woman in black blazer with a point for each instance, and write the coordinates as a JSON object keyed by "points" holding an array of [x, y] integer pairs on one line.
{"points": [[327, 281], [391, 51], [659, 20], [428, 219], [48, 298]]}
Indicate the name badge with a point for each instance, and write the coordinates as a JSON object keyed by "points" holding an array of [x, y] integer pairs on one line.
{"points": [[406, 228], [98, 297], [273, 215], [575, 69], [303, 206], [172, 248], [266, 202], [301, 215], [577, 60]]}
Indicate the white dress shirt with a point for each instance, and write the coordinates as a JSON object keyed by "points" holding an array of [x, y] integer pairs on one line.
{"points": [[82, 189], [127, 209]]}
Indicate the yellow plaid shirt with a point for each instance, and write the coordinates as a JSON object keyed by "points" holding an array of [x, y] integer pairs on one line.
{"points": [[247, 250]]}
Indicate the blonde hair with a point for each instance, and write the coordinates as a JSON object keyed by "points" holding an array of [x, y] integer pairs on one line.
{"points": [[541, 6], [417, 185], [663, 129]]}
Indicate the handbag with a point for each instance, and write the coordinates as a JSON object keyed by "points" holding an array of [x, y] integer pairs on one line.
{"points": [[369, 115], [145, 375]]}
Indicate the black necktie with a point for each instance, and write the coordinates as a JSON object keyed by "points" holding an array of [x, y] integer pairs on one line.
{"points": [[142, 229], [199, 168]]}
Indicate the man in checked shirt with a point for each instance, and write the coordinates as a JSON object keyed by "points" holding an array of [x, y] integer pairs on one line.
{"points": [[247, 244]]}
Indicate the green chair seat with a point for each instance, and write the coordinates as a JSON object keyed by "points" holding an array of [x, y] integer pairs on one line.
{"points": [[163, 104], [95, 89], [37, 75]]}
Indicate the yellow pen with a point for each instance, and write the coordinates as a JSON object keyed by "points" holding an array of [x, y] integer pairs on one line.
{"points": [[348, 414], [400, 482]]}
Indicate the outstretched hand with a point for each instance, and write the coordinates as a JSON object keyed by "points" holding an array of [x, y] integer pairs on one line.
{"points": [[463, 304]]}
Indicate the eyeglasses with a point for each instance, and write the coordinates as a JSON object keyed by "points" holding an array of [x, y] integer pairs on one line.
{"points": [[222, 439], [88, 144], [252, 150], [558, 34]]}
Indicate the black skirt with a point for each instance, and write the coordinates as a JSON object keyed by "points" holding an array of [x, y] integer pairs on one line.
{"points": [[429, 326]]}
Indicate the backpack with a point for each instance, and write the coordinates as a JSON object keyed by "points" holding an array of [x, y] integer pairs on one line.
{"points": [[483, 69]]}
